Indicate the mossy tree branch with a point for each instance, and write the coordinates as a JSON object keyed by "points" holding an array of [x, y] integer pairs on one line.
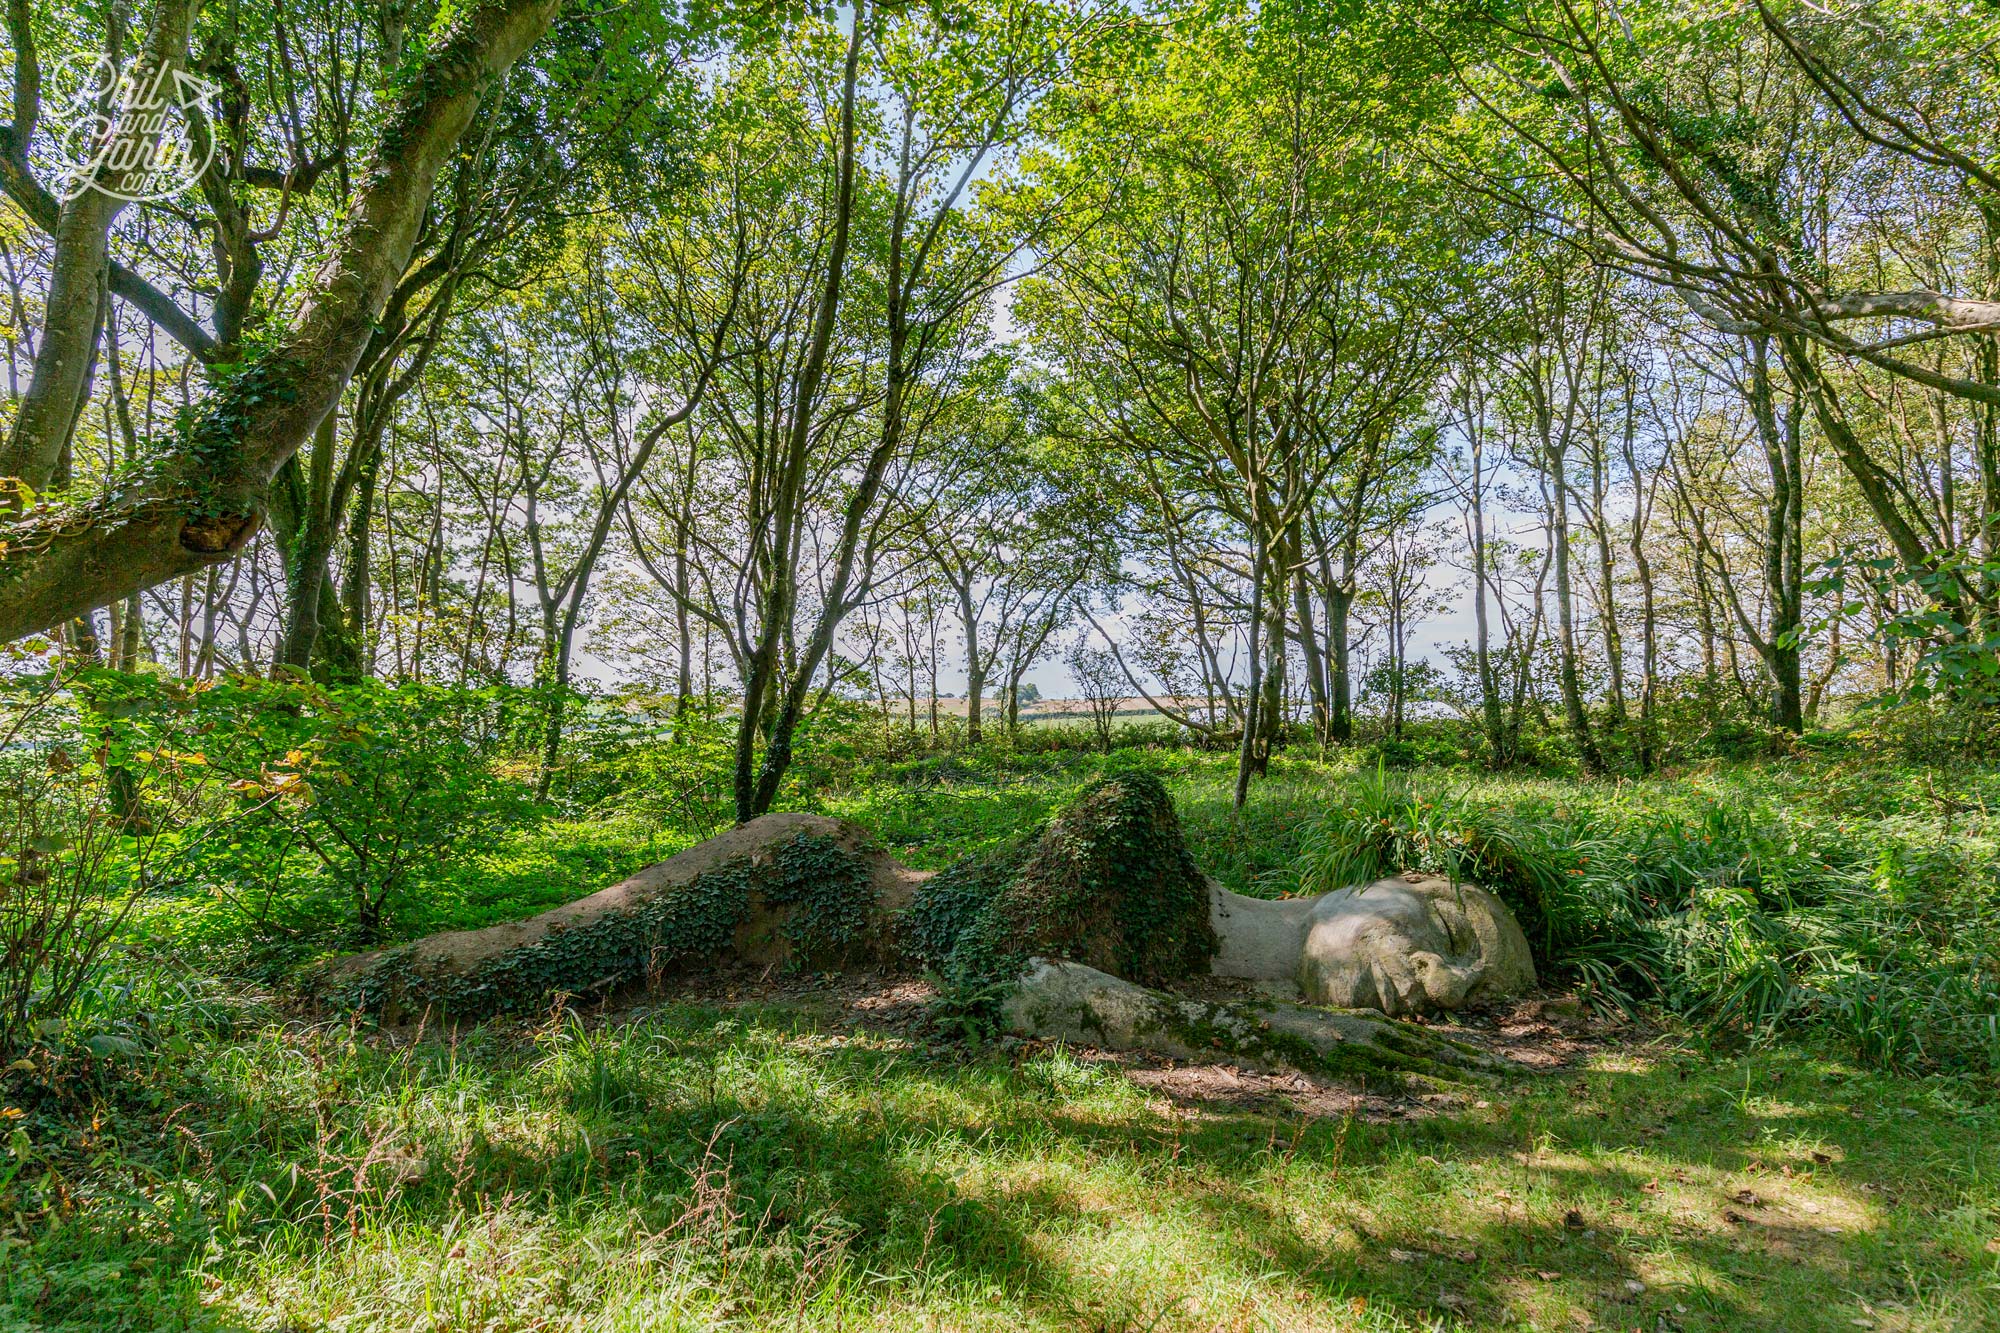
{"points": [[206, 497]]}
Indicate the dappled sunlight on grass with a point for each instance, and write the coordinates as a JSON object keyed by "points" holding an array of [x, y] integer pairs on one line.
{"points": [[700, 1168], [777, 1166]]}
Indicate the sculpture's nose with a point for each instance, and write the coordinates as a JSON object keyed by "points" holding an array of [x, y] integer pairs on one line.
{"points": [[1446, 983]]}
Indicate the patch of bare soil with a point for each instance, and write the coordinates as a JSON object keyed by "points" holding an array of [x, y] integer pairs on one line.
{"points": [[1541, 1035]]}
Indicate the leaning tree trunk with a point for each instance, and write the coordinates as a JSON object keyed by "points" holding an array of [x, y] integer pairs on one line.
{"points": [[208, 496], [82, 259]]}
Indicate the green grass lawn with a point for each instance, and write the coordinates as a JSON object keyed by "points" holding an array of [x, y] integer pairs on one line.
{"points": [[932, 813], [241, 1166], [770, 1168]]}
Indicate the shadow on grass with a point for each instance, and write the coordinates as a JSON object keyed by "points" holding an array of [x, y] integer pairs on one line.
{"points": [[755, 1156]]}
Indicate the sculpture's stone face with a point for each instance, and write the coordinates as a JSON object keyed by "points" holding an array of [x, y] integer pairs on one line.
{"points": [[1403, 946]]}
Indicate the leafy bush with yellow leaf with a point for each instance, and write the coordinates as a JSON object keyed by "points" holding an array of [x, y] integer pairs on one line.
{"points": [[334, 809]]}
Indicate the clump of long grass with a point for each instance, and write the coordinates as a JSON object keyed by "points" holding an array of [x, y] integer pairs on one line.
{"points": [[1751, 917]]}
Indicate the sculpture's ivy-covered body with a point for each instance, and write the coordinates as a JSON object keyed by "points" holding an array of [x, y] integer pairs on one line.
{"points": [[1108, 883], [1070, 933]]}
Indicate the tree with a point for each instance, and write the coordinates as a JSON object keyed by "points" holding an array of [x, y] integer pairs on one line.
{"points": [[995, 520], [207, 495], [958, 90], [1237, 323], [1101, 684], [1698, 150]]}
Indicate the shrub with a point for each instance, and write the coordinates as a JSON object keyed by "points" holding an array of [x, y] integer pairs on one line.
{"points": [[1932, 731], [1389, 753], [74, 858], [333, 809], [635, 756], [63, 893]]}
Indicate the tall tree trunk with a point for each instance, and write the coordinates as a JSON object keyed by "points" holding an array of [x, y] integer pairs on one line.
{"points": [[1282, 562], [1569, 681], [756, 784], [204, 658], [1497, 743], [683, 593], [975, 667], [1340, 691], [184, 658], [358, 592], [1784, 537], [115, 649], [133, 642], [1988, 425], [80, 266], [303, 525], [1253, 689], [1315, 664], [558, 632], [1607, 567], [1648, 615]]}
